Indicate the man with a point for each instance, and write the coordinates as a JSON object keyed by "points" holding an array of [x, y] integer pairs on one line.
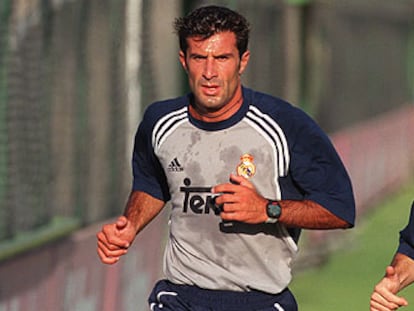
{"points": [[244, 172], [398, 275]]}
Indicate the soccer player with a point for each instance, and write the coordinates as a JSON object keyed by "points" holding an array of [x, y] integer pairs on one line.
{"points": [[243, 171], [398, 275]]}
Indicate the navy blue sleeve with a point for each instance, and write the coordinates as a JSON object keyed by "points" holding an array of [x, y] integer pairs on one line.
{"points": [[406, 245], [148, 174], [317, 169]]}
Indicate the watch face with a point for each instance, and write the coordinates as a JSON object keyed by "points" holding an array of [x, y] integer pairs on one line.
{"points": [[273, 210]]}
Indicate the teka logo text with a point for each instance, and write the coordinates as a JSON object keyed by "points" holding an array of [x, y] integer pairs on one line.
{"points": [[196, 202]]}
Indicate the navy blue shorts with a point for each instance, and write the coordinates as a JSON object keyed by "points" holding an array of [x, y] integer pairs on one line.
{"points": [[167, 296]]}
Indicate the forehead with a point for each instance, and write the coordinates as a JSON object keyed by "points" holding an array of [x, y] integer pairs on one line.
{"points": [[218, 43]]}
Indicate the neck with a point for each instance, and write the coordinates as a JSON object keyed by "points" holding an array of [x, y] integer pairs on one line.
{"points": [[222, 114]]}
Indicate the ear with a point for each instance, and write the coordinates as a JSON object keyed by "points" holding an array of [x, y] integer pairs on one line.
{"points": [[182, 60], [244, 61]]}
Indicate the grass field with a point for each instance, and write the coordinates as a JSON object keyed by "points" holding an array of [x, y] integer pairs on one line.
{"points": [[345, 283]]}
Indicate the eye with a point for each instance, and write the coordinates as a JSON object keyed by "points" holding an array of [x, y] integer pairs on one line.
{"points": [[222, 57], [198, 57]]}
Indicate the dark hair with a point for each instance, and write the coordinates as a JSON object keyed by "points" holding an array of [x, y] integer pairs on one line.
{"points": [[209, 20]]}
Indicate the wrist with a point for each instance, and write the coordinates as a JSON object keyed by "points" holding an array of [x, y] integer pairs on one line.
{"points": [[273, 211]]}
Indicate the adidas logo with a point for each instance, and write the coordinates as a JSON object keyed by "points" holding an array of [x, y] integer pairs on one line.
{"points": [[175, 166]]}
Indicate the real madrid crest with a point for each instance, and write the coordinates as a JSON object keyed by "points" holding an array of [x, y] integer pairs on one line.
{"points": [[246, 167]]}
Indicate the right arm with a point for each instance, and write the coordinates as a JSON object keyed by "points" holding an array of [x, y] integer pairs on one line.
{"points": [[114, 239], [141, 209]]}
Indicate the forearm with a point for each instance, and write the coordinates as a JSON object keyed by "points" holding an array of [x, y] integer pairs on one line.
{"points": [[141, 208], [309, 215], [404, 268]]}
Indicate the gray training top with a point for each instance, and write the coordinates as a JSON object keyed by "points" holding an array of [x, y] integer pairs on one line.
{"points": [[178, 158]]}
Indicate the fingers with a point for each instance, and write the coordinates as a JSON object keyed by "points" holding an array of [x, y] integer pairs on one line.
{"points": [[239, 201], [384, 297], [233, 185], [379, 303], [242, 181], [229, 199], [225, 188], [109, 256], [112, 236], [114, 240], [248, 207]]}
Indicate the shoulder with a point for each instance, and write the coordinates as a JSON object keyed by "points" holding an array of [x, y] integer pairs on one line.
{"points": [[280, 110], [265, 101], [164, 108]]}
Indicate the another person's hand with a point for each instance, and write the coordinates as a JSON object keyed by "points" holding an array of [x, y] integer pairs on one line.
{"points": [[114, 240], [384, 297]]}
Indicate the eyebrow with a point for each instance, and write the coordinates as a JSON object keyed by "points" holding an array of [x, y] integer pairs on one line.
{"points": [[229, 54]]}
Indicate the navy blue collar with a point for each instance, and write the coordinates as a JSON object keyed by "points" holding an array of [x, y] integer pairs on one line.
{"points": [[221, 125]]}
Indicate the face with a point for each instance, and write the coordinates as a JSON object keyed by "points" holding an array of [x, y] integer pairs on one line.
{"points": [[214, 68]]}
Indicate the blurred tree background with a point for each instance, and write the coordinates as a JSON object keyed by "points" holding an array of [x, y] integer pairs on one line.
{"points": [[76, 75]]}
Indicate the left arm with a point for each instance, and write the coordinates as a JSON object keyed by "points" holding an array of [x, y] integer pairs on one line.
{"points": [[325, 197], [308, 214], [241, 202]]}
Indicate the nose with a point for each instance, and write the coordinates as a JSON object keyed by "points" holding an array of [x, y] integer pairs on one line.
{"points": [[210, 70]]}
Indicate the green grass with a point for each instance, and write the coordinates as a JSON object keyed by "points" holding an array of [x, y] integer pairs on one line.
{"points": [[348, 278]]}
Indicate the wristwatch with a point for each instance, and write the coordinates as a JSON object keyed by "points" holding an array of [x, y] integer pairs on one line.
{"points": [[273, 211]]}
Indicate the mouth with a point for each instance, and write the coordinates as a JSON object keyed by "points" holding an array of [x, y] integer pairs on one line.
{"points": [[210, 90]]}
